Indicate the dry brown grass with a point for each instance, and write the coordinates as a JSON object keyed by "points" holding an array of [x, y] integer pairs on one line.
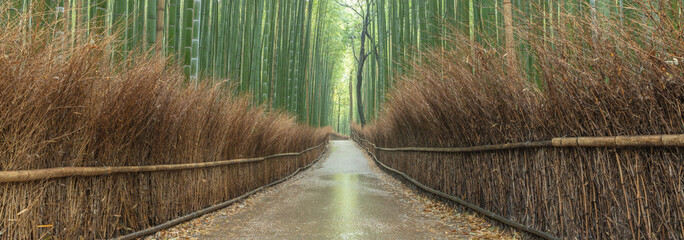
{"points": [[64, 103], [605, 80]]}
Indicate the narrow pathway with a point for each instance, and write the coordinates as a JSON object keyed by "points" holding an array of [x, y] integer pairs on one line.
{"points": [[343, 197]]}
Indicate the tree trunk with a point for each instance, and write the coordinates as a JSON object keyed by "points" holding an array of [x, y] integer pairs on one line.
{"points": [[510, 38], [161, 5], [359, 72]]}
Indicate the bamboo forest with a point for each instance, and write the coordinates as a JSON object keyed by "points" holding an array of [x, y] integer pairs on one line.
{"points": [[341, 119]]}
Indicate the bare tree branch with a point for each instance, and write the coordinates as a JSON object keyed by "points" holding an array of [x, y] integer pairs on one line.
{"points": [[367, 16], [350, 7]]}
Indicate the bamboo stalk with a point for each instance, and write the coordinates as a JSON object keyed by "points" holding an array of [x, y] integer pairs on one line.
{"points": [[50, 173], [161, 8]]}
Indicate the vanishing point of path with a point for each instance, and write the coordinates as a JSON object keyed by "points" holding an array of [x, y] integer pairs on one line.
{"points": [[344, 196]]}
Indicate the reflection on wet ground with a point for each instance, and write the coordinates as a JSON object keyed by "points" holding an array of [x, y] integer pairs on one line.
{"points": [[346, 199], [341, 198]]}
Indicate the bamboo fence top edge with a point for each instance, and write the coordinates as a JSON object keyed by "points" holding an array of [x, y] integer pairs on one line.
{"points": [[60, 172], [665, 140]]}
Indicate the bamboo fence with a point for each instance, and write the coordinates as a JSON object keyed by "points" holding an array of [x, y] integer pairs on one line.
{"points": [[480, 210], [566, 187], [199, 213], [108, 202]]}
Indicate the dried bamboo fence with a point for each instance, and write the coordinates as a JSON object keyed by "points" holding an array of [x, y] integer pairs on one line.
{"points": [[113, 201], [199, 213], [576, 187]]}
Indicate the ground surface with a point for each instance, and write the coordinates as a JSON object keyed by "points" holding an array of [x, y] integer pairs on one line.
{"points": [[344, 196]]}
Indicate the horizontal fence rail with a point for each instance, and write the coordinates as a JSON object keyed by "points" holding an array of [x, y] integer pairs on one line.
{"points": [[50, 173], [676, 140]]}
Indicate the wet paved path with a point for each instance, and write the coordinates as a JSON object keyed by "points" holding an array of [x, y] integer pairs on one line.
{"points": [[340, 198]]}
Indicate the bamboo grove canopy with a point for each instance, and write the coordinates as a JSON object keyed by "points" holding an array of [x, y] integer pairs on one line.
{"points": [[282, 52], [288, 53]]}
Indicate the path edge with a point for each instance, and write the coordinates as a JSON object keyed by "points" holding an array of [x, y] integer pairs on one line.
{"points": [[196, 214], [491, 215]]}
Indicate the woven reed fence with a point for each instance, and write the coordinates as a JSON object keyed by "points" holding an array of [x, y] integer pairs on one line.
{"points": [[574, 188], [113, 201]]}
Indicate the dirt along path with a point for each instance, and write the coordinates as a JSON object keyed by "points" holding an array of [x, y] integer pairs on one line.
{"points": [[345, 196]]}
